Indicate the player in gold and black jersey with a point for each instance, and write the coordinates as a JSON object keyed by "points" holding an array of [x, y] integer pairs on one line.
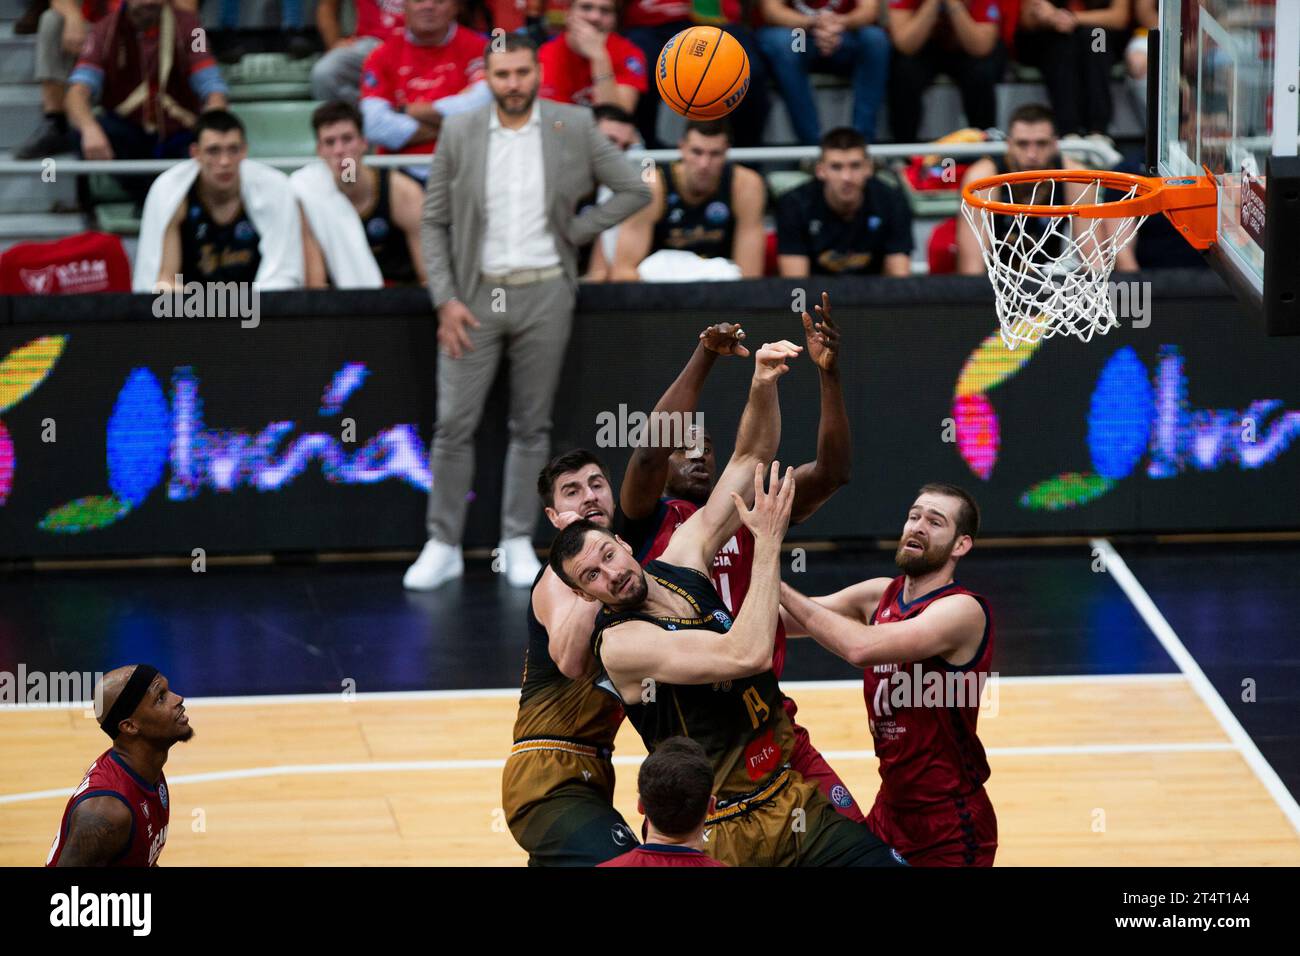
{"points": [[558, 784], [709, 678]]}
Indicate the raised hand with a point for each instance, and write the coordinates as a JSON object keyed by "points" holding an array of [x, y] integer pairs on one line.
{"points": [[823, 337], [769, 518], [725, 338], [769, 363]]}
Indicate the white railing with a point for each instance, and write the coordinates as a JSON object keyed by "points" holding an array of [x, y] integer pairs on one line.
{"points": [[1097, 153]]}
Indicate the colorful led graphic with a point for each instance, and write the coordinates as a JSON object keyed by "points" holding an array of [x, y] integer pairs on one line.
{"points": [[146, 436], [979, 435], [21, 371], [1130, 414]]}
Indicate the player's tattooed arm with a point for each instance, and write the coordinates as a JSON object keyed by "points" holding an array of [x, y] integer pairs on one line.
{"points": [[647, 469], [951, 627], [820, 479], [97, 833]]}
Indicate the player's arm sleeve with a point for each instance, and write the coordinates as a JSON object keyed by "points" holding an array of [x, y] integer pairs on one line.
{"points": [[98, 832]]}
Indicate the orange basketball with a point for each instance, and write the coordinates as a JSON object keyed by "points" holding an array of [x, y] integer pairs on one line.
{"points": [[703, 73]]}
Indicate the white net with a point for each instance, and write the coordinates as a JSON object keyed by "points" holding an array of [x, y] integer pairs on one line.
{"points": [[1051, 274]]}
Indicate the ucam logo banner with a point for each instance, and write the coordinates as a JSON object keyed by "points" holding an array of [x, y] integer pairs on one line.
{"points": [[1134, 413]]}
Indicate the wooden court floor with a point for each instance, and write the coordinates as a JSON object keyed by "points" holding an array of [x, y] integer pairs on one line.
{"points": [[1093, 771]]}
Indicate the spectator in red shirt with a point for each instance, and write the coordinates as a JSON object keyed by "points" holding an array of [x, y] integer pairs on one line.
{"points": [[675, 792], [1059, 38], [337, 74], [589, 64], [149, 105], [826, 36], [957, 37], [432, 70]]}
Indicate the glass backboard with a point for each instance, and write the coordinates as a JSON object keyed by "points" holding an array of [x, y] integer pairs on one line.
{"points": [[1228, 101]]}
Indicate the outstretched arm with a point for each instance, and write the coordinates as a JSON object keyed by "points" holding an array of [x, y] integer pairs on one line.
{"points": [[647, 469], [820, 479], [856, 602], [97, 833], [636, 650], [950, 626], [695, 543]]}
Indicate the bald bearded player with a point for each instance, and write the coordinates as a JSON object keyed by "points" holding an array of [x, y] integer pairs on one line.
{"points": [[118, 815]]}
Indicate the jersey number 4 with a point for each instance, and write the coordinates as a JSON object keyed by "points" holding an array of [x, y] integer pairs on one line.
{"points": [[757, 707]]}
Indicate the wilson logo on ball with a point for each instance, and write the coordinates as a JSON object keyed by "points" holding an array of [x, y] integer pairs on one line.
{"points": [[732, 101]]}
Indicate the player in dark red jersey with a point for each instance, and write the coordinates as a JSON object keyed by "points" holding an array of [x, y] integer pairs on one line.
{"points": [[118, 816], [675, 792], [925, 644], [663, 487]]}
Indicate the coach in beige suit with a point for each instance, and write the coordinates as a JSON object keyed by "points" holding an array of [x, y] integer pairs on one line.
{"points": [[500, 243]]}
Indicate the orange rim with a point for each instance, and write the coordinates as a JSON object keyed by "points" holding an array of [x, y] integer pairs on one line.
{"points": [[1189, 202]]}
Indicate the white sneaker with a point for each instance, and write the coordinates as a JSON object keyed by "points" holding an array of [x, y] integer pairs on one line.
{"points": [[521, 561], [437, 564]]}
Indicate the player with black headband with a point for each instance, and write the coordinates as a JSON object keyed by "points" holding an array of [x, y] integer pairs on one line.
{"points": [[118, 815]]}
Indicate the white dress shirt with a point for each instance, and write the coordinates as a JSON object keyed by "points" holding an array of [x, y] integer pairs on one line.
{"points": [[516, 236]]}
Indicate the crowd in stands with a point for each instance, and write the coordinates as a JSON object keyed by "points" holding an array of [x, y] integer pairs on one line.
{"points": [[410, 64]]}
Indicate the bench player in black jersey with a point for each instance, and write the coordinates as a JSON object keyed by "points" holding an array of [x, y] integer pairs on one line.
{"points": [[210, 237], [387, 201], [710, 678], [558, 784]]}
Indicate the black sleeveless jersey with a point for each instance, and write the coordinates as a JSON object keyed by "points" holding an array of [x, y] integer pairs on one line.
{"points": [[552, 705], [740, 723], [706, 228], [216, 253], [387, 241]]}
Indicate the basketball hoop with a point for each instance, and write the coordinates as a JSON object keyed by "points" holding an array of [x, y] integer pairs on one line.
{"points": [[1050, 238]]}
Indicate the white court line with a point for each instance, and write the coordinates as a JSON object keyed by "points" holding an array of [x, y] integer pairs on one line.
{"points": [[512, 692], [1175, 648], [496, 763]]}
